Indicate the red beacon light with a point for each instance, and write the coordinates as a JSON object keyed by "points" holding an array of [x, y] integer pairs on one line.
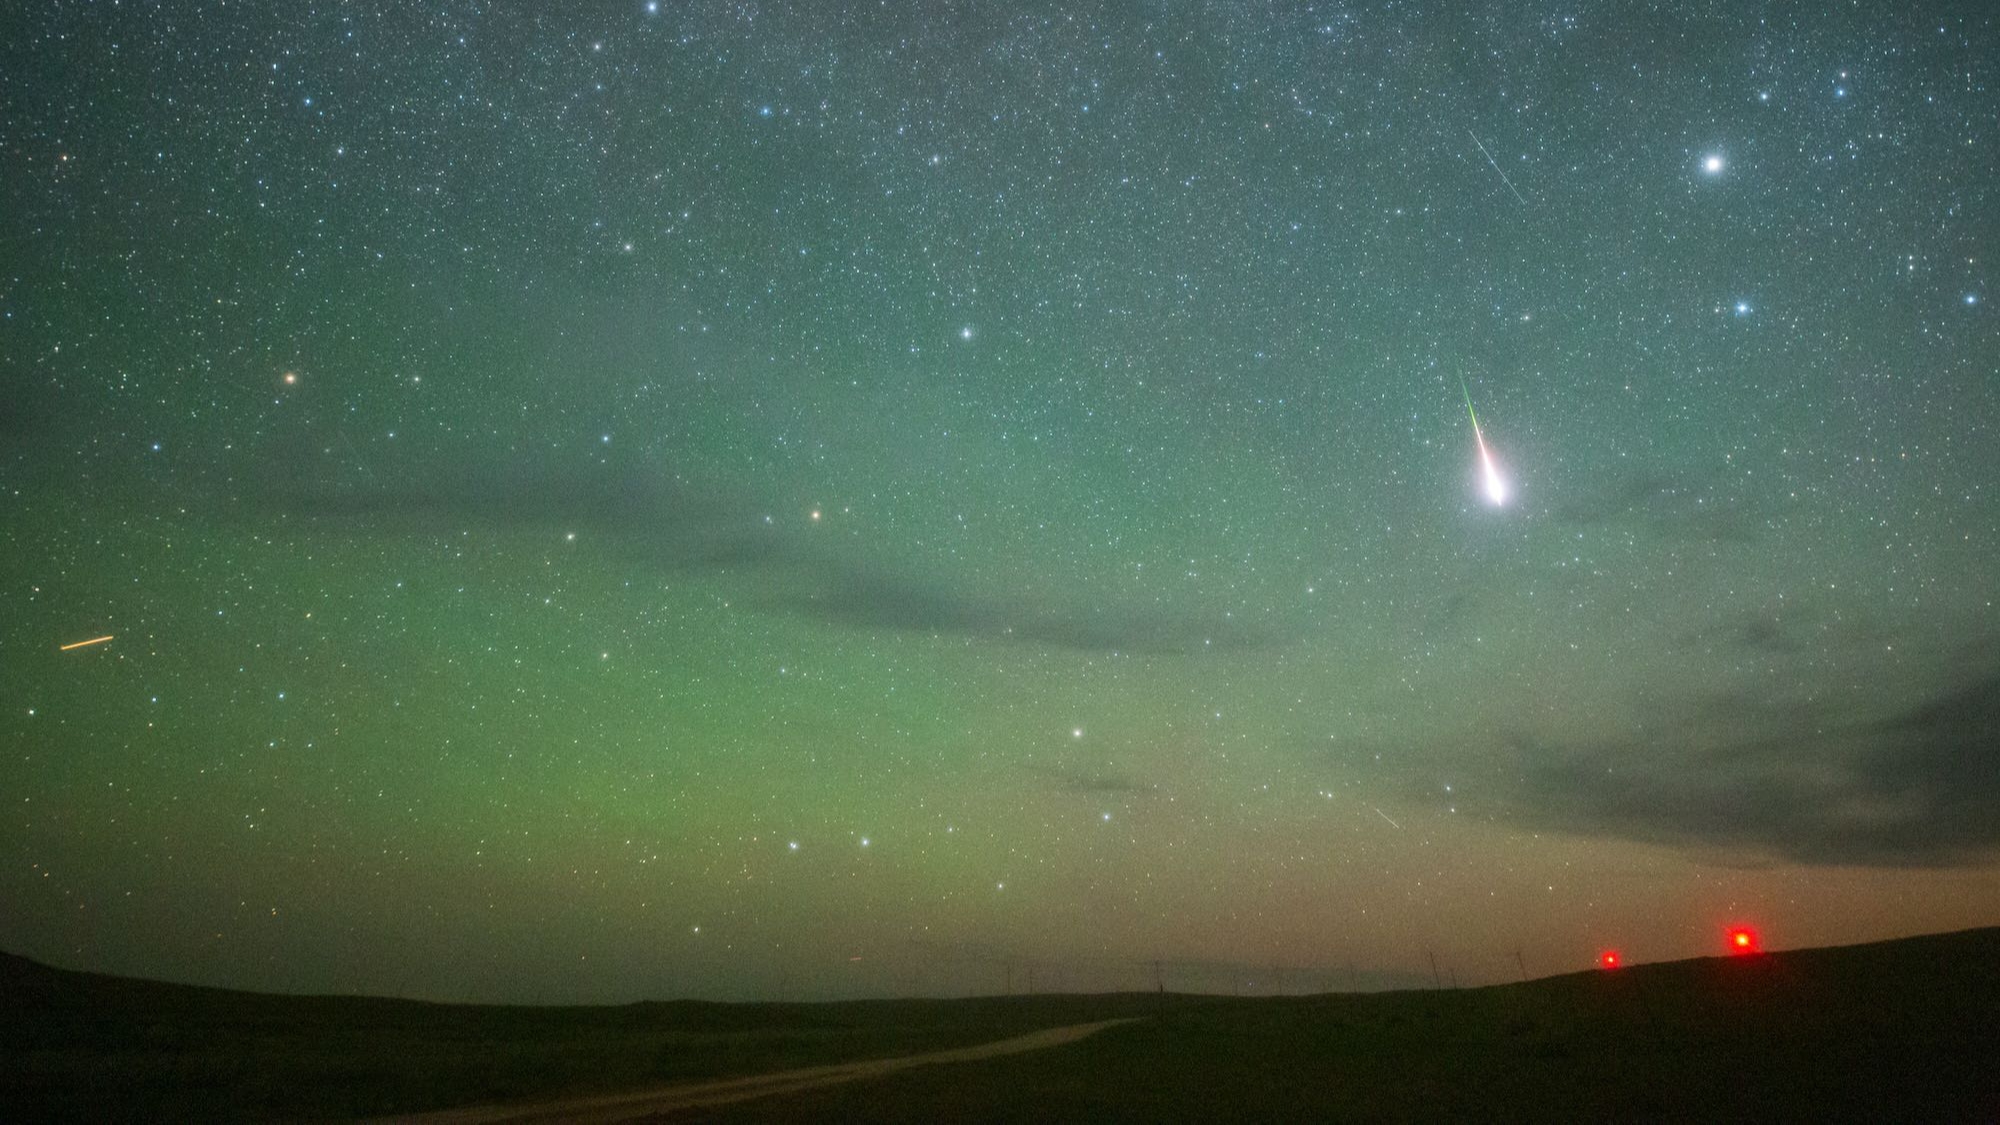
{"points": [[1609, 959], [1742, 940]]}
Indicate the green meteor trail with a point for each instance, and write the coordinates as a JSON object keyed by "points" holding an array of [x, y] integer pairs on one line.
{"points": [[1496, 489]]}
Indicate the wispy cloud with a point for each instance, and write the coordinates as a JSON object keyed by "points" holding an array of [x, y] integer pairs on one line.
{"points": [[880, 600], [674, 526], [661, 522], [1675, 506], [1916, 789], [1088, 781]]}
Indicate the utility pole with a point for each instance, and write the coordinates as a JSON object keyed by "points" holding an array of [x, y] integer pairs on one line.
{"points": [[1523, 964], [1436, 980]]}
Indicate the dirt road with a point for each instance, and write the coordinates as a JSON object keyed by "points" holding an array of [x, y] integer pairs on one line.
{"points": [[666, 1099]]}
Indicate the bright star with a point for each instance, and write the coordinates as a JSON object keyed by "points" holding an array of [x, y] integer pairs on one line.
{"points": [[1712, 164], [965, 333]]}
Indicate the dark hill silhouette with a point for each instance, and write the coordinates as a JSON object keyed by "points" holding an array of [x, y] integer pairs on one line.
{"points": [[1906, 1029]]}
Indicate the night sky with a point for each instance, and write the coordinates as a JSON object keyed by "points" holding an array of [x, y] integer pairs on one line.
{"points": [[623, 500]]}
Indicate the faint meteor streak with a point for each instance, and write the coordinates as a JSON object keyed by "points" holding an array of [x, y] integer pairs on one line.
{"points": [[91, 641], [359, 463], [1496, 489], [1385, 816], [1496, 167]]}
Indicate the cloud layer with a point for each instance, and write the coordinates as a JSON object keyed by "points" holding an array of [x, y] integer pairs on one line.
{"points": [[1689, 507], [1919, 788], [882, 600], [679, 528]]}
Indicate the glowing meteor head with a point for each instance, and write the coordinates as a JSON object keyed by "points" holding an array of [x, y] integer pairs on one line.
{"points": [[1489, 474]]}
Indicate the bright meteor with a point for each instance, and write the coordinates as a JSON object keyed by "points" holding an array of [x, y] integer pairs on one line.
{"points": [[1496, 489], [91, 641]]}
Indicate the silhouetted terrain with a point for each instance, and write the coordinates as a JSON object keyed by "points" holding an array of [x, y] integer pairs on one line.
{"points": [[84, 1046], [1902, 1030]]}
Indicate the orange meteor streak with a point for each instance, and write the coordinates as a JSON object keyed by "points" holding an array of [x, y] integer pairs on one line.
{"points": [[91, 641]]}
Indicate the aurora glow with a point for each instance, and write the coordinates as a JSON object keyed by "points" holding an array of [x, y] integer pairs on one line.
{"points": [[598, 502]]}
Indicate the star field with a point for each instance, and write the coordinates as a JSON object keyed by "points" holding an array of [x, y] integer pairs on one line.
{"points": [[653, 499]]}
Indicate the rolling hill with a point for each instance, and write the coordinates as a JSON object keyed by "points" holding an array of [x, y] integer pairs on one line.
{"points": [[1905, 1029]]}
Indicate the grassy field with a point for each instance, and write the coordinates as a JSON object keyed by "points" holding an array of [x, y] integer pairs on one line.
{"points": [[79, 1046], [1904, 1030], [1898, 1031]]}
